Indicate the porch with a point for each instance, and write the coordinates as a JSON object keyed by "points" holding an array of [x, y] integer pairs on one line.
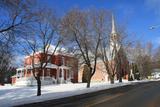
{"points": [[53, 74]]}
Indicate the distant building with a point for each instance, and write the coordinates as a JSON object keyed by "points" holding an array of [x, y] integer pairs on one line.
{"points": [[61, 68], [155, 74]]}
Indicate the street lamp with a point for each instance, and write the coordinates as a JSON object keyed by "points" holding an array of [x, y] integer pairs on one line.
{"points": [[154, 27]]}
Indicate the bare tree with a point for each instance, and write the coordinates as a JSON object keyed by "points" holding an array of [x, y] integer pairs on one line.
{"points": [[18, 14], [142, 56], [43, 36], [5, 60], [81, 29], [16, 17], [110, 59], [156, 58], [111, 50]]}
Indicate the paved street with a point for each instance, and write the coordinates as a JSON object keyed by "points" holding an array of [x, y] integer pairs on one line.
{"points": [[144, 95], [138, 95]]}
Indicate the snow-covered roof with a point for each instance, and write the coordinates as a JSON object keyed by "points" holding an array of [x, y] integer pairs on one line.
{"points": [[64, 67], [59, 51], [49, 65], [20, 69]]}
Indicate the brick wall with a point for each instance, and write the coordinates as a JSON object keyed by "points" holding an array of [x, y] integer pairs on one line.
{"points": [[101, 74], [59, 60]]}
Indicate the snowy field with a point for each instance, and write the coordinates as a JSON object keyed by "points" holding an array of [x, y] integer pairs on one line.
{"points": [[12, 95]]}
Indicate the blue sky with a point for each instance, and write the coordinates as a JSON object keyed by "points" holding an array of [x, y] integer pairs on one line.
{"points": [[137, 15]]}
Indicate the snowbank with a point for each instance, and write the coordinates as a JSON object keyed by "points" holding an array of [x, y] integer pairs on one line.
{"points": [[12, 95]]}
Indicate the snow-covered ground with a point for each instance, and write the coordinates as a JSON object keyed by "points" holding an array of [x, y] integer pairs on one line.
{"points": [[12, 95]]}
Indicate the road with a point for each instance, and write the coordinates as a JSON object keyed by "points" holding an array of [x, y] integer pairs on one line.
{"points": [[138, 95]]}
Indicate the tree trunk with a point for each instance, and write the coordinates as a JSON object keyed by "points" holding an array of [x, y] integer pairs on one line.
{"points": [[2, 78], [85, 74], [88, 83], [112, 79], [89, 76], [120, 77], [38, 86], [89, 79]]}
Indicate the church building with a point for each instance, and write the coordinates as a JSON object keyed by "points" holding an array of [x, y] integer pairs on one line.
{"points": [[122, 70]]}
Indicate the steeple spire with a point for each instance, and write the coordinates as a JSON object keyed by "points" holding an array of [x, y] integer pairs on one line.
{"points": [[114, 39], [113, 26], [114, 35]]}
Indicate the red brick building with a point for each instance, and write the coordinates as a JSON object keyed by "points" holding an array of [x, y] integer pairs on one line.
{"points": [[60, 68]]}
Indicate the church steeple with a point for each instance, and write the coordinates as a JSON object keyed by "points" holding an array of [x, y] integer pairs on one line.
{"points": [[113, 26], [114, 34], [114, 39]]}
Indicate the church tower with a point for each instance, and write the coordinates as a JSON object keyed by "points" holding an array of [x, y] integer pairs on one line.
{"points": [[114, 35], [114, 38]]}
